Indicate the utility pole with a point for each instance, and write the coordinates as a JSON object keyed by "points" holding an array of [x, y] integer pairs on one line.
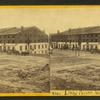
{"points": [[49, 44], [28, 42], [4, 47]]}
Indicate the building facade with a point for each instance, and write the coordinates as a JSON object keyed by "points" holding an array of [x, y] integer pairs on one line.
{"points": [[87, 38], [24, 39]]}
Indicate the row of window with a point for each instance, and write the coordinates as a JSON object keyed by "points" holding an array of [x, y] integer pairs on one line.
{"points": [[30, 35], [82, 35], [36, 41], [69, 37], [8, 41], [20, 41], [13, 48], [34, 47], [26, 35], [7, 36], [90, 40], [83, 40], [90, 35]]}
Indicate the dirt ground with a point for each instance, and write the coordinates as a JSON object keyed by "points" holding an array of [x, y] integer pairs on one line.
{"points": [[24, 74], [20, 74], [72, 72]]}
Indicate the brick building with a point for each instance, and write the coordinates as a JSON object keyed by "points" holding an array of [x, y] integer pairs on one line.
{"points": [[86, 38], [24, 39]]}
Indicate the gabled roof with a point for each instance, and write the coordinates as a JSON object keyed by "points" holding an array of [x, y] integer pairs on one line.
{"points": [[15, 30], [12, 30], [84, 30]]}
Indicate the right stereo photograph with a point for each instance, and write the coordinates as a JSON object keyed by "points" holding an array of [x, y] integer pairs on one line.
{"points": [[75, 49]]}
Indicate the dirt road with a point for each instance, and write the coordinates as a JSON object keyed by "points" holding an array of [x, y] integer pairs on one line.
{"points": [[23, 74], [69, 71]]}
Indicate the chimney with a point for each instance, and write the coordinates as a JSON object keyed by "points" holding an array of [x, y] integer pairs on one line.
{"points": [[69, 29], [58, 31], [22, 28]]}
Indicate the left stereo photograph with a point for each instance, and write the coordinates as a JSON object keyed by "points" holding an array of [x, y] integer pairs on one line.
{"points": [[24, 51]]}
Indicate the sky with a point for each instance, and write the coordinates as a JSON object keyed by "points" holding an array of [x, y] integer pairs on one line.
{"points": [[50, 19]]}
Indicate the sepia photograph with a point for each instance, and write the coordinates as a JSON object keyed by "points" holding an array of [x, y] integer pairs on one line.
{"points": [[24, 58], [44, 49], [75, 49]]}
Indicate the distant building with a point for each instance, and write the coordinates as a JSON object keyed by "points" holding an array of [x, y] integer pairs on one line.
{"points": [[24, 39], [86, 38]]}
